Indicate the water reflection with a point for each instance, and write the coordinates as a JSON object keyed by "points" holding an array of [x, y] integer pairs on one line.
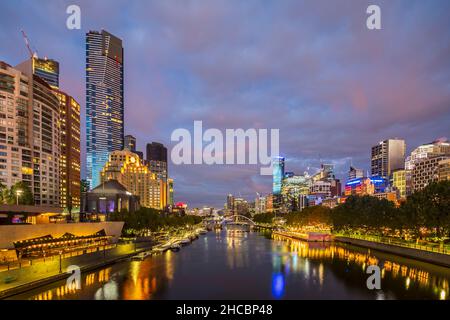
{"points": [[231, 264], [393, 272]]}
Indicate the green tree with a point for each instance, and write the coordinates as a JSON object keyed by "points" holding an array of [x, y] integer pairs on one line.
{"points": [[25, 197]]}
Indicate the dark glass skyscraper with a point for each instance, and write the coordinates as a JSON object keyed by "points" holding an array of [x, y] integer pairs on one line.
{"points": [[157, 159], [104, 101]]}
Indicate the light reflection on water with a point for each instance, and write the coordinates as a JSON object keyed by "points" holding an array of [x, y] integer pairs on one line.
{"points": [[241, 265], [323, 252]]}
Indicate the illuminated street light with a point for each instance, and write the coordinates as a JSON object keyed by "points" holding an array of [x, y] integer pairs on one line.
{"points": [[18, 193]]}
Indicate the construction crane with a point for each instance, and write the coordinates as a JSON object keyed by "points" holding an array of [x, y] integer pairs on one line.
{"points": [[27, 44]]}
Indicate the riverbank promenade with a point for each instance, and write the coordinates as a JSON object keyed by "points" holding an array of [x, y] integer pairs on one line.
{"points": [[39, 272]]}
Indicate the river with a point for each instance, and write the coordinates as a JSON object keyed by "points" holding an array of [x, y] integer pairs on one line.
{"points": [[254, 265]]}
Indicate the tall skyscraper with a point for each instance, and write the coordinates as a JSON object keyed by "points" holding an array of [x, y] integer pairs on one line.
{"points": [[387, 156], [157, 159], [278, 175], [104, 101], [30, 134]]}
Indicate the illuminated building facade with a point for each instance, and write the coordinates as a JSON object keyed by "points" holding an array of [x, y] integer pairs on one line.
{"points": [[70, 151], [399, 182], [436, 148], [104, 101], [29, 133], [157, 159], [170, 191], [130, 143], [278, 175], [359, 187], [46, 69], [355, 173], [260, 204], [387, 156], [126, 168], [390, 196], [230, 204], [293, 186], [426, 171], [444, 170]]}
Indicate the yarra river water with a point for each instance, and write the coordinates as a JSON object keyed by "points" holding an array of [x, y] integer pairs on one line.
{"points": [[236, 265]]}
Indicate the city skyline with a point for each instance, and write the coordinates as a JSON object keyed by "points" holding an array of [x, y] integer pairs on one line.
{"points": [[332, 101]]}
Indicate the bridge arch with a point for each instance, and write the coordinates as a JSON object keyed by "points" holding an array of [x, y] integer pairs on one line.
{"points": [[241, 216]]}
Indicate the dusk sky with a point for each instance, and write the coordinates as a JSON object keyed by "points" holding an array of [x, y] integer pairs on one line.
{"points": [[309, 68]]}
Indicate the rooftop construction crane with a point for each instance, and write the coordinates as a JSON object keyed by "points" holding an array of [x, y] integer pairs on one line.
{"points": [[27, 44]]}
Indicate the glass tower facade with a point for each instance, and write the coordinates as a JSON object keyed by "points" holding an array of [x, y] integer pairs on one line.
{"points": [[278, 175], [104, 101]]}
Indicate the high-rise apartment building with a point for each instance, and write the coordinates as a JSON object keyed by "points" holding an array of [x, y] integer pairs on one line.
{"points": [[48, 70], [126, 167], [104, 101], [70, 151], [29, 133], [387, 156]]}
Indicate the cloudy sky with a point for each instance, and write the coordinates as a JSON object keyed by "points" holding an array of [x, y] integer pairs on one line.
{"points": [[309, 68]]}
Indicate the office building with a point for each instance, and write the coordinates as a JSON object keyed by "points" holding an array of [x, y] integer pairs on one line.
{"points": [[230, 204], [130, 143], [440, 147], [104, 101], [355, 173], [46, 69], [426, 171], [387, 156], [70, 151], [170, 200], [126, 168], [157, 159], [29, 134], [260, 204], [278, 175], [444, 170], [293, 186], [399, 182]]}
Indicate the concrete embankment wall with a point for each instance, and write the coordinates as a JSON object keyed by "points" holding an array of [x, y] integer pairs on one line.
{"points": [[432, 257]]}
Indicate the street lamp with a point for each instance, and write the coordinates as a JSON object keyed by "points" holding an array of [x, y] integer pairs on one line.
{"points": [[18, 193]]}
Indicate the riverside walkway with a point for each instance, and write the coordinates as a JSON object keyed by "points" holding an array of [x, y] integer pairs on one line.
{"points": [[40, 273]]}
